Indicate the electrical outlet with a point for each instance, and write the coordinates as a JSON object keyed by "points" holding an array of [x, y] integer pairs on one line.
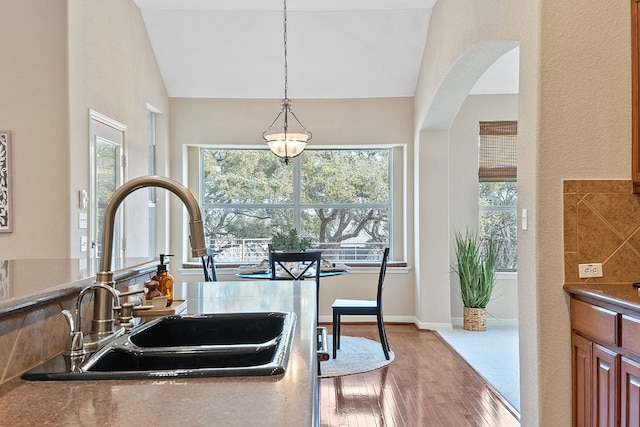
{"points": [[590, 270]]}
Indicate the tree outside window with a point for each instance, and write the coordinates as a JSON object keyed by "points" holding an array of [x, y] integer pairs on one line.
{"points": [[498, 219], [340, 199]]}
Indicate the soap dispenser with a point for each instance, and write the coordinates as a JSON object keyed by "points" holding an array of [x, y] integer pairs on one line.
{"points": [[165, 280]]}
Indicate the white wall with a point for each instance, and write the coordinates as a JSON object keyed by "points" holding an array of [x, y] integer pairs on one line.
{"points": [[112, 70], [63, 58], [33, 84]]}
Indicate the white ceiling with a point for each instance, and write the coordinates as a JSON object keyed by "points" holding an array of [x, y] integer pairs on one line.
{"points": [[336, 48], [502, 76]]}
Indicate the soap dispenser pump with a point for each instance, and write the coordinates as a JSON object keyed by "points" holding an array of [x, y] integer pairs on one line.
{"points": [[165, 280]]}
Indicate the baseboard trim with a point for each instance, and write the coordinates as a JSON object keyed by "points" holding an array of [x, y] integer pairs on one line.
{"points": [[455, 321], [431, 326]]}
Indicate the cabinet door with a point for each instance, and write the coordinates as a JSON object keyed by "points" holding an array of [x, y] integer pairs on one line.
{"points": [[630, 393], [604, 386], [581, 371]]}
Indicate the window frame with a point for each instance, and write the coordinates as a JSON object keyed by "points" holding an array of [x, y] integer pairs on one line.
{"points": [[296, 204]]}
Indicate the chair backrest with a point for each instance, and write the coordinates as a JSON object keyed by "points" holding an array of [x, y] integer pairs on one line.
{"points": [[305, 260], [209, 266], [383, 272]]}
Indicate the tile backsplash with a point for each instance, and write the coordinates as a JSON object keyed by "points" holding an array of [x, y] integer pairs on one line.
{"points": [[602, 225], [31, 336]]}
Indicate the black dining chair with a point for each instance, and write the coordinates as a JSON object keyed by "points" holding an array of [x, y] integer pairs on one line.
{"points": [[282, 262], [351, 307], [209, 266]]}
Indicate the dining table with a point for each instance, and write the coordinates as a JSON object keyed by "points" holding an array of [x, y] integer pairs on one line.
{"points": [[262, 270], [259, 272], [267, 274]]}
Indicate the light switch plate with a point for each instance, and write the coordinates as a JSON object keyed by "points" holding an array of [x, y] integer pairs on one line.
{"points": [[82, 220]]}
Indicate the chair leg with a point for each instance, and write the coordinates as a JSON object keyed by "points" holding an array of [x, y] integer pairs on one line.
{"points": [[335, 333], [383, 337], [339, 331]]}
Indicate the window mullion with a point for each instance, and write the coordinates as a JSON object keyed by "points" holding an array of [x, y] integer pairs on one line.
{"points": [[296, 193]]}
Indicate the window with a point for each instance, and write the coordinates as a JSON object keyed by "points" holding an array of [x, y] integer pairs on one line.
{"points": [[498, 188], [340, 199]]}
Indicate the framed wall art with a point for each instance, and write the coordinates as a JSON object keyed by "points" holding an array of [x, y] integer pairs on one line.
{"points": [[6, 220]]}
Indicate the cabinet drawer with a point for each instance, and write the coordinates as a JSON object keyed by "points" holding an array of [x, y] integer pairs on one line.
{"points": [[594, 321], [630, 333]]}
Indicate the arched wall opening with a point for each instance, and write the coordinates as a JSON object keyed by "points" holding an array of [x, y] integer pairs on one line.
{"points": [[446, 178], [435, 195]]}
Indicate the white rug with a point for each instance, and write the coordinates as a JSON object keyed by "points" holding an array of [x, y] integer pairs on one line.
{"points": [[356, 355]]}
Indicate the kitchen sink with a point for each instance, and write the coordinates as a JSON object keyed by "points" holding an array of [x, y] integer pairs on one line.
{"points": [[206, 345], [210, 330]]}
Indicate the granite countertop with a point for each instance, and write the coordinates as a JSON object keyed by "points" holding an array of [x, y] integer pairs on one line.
{"points": [[285, 400], [29, 282], [620, 294]]}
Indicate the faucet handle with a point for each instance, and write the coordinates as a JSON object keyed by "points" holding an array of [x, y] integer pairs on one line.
{"points": [[75, 336], [72, 326]]}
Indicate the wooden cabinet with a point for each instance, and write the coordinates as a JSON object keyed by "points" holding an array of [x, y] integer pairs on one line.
{"points": [[594, 364], [605, 363]]}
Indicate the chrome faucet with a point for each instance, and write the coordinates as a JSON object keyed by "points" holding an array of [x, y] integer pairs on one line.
{"points": [[103, 323], [78, 349]]}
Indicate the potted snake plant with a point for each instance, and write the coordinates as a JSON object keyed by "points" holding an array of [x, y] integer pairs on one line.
{"points": [[476, 266]]}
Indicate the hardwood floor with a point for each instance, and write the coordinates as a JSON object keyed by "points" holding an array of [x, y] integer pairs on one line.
{"points": [[427, 384]]}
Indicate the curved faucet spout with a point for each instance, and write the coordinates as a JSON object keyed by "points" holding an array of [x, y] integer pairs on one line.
{"points": [[198, 246], [102, 311]]}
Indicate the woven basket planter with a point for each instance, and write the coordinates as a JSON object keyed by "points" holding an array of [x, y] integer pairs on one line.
{"points": [[474, 319]]}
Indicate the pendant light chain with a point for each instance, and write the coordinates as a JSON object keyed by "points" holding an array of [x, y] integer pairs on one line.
{"points": [[285, 51]]}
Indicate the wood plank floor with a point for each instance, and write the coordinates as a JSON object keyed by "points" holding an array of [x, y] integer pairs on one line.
{"points": [[427, 384]]}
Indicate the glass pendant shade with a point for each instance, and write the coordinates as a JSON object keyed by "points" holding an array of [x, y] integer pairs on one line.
{"points": [[287, 146]]}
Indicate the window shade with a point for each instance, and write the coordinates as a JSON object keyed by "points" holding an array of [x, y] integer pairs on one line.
{"points": [[498, 151]]}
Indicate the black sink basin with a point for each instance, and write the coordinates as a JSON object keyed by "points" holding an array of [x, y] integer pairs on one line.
{"points": [[210, 330], [235, 344], [117, 359]]}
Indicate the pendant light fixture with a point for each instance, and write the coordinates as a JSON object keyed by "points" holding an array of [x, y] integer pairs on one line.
{"points": [[281, 141]]}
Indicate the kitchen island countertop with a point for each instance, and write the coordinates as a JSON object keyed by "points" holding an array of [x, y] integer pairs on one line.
{"points": [[285, 400]]}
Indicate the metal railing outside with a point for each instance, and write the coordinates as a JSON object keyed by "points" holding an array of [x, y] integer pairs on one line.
{"points": [[256, 250]]}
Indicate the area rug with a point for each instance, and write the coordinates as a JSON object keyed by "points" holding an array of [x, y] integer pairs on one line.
{"points": [[355, 356]]}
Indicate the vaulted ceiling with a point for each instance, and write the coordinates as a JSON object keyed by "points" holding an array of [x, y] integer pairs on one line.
{"points": [[335, 48]]}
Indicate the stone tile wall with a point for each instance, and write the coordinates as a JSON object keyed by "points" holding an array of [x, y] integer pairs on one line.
{"points": [[602, 224], [31, 336]]}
